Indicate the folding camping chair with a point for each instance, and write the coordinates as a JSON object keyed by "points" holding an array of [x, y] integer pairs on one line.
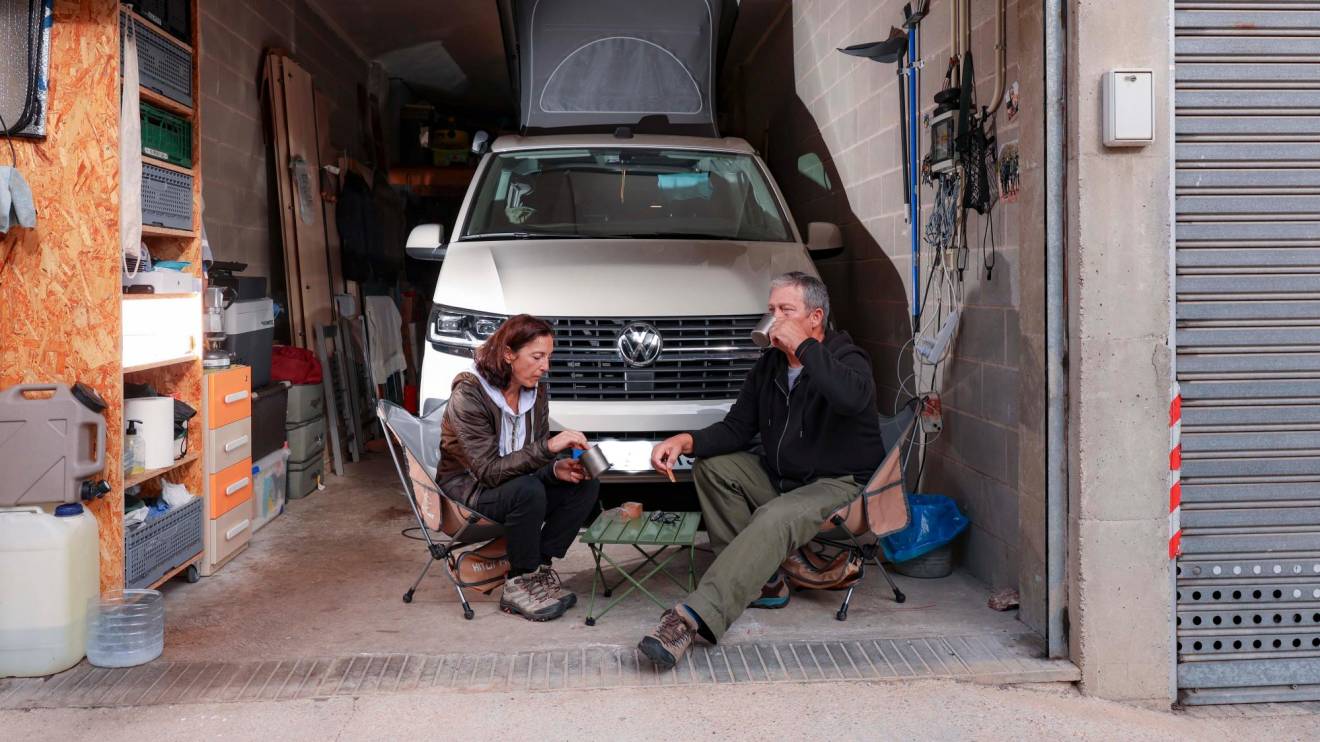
{"points": [[855, 530], [469, 544]]}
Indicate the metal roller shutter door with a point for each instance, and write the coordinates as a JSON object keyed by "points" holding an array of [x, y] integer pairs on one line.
{"points": [[1247, 104]]}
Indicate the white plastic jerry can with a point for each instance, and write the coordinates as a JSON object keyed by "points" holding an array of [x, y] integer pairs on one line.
{"points": [[49, 572]]}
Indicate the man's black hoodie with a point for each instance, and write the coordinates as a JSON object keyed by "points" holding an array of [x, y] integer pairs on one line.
{"points": [[826, 426]]}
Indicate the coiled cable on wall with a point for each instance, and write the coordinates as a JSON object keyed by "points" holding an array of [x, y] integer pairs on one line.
{"points": [[33, 37]]}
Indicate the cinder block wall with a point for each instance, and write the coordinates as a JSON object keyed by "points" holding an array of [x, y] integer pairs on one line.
{"points": [[844, 111], [235, 35]]}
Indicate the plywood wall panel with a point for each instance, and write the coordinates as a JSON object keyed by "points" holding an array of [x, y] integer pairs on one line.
{"points": [[59, 289]]}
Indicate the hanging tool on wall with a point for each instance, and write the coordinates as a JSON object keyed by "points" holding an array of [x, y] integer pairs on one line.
{"points": [[904, 48]]}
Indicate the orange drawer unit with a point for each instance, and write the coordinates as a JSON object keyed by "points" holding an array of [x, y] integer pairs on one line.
{"points": [[228, 396], [230, 488], [227, 434]]}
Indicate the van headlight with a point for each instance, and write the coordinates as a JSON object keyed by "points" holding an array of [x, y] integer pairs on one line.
{"points": [[459, 331]]}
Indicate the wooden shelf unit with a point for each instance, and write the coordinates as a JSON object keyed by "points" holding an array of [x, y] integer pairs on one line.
{"points": [[150, 230], [159, 364], [151, 474], [179, 377], [166, 103]]}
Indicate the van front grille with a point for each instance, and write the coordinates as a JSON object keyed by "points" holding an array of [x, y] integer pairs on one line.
{"points": [[702, 358]]}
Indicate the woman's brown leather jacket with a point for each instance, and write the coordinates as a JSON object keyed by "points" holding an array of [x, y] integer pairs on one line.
{"points": [[470, 460]]}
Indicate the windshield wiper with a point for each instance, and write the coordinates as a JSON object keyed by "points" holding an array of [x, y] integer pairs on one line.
{"points": [[523, 236], [679, 236]]}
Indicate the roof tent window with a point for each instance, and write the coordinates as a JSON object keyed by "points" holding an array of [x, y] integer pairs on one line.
{"points": [[621, 75], [594, 65], [24, 65]]}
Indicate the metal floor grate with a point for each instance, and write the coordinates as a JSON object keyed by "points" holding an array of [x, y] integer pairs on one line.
{"points": [[991, 658]]}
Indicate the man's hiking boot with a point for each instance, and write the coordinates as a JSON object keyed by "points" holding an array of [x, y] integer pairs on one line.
{"points": [[666, 645], [528, 596], [774, 594], [550, 579]]}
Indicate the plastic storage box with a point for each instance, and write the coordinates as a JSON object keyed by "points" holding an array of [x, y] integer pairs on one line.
{"points": [[163, 65], [269, 405], [306, 403], [304, 476], [167, 198], [160, 545], [270, 481], [166, 136], [306, 439]]}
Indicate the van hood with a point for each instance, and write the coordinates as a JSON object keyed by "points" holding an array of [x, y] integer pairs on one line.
{"points": [[615, 278]]}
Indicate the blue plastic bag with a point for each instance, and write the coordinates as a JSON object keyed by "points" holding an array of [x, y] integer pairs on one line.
{"points": [[936, 521]]}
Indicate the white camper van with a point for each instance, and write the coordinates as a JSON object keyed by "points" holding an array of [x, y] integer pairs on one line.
{"points": [[651, 254]]}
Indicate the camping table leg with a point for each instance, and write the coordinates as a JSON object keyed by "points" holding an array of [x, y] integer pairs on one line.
{"points": [[636, 585], [649, 558], [597, 578]]}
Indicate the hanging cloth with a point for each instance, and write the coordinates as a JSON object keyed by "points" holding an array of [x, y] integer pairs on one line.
{"points": [[130, 152]]}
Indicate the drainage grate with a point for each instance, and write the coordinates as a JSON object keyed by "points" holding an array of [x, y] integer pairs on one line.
{"points": [[980, 658]]}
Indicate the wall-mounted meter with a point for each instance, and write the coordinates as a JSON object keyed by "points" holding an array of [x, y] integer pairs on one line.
{"points": [[1129, 107], [944, 131]]}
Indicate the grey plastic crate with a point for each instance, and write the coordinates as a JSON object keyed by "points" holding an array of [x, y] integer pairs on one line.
{"points": [[306, 402], [167, 198], [305, 475], [163, 66], [160, 545], [306, 439]]}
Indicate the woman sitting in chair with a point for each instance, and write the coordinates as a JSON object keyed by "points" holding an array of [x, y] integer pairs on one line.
{"points": [[497, 456]]}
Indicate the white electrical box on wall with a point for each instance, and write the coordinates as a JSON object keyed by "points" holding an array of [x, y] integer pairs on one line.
{"points": [[1129, 107]]}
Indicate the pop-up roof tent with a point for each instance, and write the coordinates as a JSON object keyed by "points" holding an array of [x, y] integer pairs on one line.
{"points": [[594, 65]]}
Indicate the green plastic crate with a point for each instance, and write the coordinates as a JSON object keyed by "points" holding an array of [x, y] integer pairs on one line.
{"points": [[166, 136]]}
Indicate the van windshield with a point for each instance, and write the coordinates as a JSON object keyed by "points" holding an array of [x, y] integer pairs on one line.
{"points": [[625, 192]]}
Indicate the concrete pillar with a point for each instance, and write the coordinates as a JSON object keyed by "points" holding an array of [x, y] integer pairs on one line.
{"points": [[1119, 236]]}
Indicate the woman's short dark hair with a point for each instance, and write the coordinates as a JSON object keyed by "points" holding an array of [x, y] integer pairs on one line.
{"points": [[516, 332]]}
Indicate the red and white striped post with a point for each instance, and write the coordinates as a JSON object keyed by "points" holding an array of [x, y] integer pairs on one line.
{"points": [[1175, 473]]}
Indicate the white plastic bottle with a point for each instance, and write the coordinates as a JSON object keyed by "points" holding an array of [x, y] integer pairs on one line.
{"points": [[49, 571]]}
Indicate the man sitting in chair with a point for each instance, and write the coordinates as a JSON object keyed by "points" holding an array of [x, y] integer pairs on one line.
{"points": [[814, 405]]}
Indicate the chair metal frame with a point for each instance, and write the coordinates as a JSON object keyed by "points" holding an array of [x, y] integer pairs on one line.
{"points": [[869, 553], [475, 532]]}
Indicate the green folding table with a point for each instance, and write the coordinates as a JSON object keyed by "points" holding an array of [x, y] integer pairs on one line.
{"points": [[671, 534]]}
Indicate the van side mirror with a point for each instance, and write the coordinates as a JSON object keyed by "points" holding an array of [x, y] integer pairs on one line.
{"points": [[427, 242], [480, 142], [824, 237]]}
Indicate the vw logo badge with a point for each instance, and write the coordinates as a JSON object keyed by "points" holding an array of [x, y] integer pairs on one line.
{"points": [[639, 344]]}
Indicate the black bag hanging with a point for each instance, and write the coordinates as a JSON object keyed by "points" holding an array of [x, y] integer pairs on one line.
{"points": [[973, 145]]}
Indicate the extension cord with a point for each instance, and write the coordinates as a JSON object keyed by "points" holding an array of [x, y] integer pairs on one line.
{"points": [[932, 350]]}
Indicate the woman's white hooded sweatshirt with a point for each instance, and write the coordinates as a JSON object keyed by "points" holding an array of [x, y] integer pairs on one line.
{"points": [[514, 424]]}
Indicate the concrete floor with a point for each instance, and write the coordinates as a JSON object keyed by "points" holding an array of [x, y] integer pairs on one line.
{"points": [[911, 710], [327, 577]]}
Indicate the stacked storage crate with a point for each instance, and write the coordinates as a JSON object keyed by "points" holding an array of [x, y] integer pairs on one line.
{"points": [[227, 421], [305, 428], [270, 452], [169, 179]]}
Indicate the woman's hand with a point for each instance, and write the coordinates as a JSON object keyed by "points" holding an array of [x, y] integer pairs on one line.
{"points": [[565, 440], [570, 470]]}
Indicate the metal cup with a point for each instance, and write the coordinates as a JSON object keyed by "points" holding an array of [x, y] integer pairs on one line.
{"points": [[761, 333], [594, 461]]}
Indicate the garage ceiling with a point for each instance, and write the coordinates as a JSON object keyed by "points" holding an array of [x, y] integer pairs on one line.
{"points": [[456, 49]]}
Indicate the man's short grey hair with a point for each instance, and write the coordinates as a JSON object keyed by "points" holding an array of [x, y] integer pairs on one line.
{"points": [[814, 294]]}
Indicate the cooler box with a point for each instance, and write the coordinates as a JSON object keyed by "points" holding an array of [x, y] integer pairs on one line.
{"points": [[305, 475], [250, 331], [270, 481], [269, 405]]}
